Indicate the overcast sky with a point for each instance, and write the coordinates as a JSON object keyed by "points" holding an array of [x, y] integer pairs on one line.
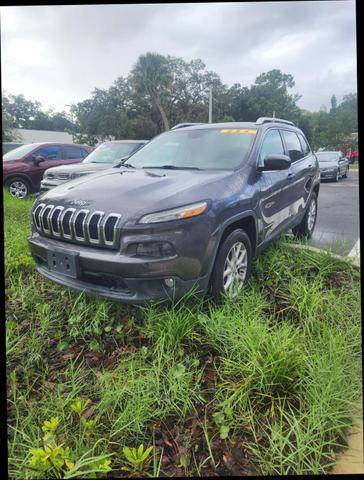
{"points": [[58, 54]]}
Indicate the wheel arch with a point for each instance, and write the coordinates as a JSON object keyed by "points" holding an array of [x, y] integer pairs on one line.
{"points": [[246, 221], [316, 189], [25, 177]]}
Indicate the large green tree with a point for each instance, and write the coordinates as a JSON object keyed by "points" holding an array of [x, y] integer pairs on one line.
{"points": [[152, 78], [22, 113], [8, 132], [267, 96], [333, 129]]}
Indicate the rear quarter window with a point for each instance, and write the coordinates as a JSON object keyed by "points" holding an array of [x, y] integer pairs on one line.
{"points": [[304, 144], [72, 152], [84, 152], [293, 145]]}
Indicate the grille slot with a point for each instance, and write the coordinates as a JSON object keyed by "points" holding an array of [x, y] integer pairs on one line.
{"points": [[84, 226], [63, 176], [36, 215], [79, 224], [109, 228], [54, 221], [44, 218], [94, 227], [66, 222]]}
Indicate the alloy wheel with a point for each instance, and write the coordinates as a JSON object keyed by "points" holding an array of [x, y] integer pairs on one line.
{"points": [[311, 216], [18, 189], [235, 269]]}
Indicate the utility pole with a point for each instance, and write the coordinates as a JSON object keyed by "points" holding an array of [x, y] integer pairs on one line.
{"points": [[274, 114], [210, 105]]}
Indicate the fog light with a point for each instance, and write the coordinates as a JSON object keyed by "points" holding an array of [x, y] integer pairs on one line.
{"points": [[151, 249], [169, 282]]}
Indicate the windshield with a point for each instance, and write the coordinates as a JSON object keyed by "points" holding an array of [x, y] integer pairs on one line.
{"points": [[111, 152], [19, 152], [327, 157], [216, 148]]}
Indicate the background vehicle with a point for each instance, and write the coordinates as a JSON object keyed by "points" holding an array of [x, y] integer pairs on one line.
{"points": [[333, 165], [24, 166], [104, 156], [7, 146], [192, 208]]}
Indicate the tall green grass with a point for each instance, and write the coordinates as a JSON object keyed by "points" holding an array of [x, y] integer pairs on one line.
{"points": [[286, 358]]}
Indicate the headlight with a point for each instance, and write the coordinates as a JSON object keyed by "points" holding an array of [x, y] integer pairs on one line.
{"points": [[187, 211]]}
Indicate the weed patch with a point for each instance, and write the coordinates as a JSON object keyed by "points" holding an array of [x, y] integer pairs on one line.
{"points": [[266, 383]]}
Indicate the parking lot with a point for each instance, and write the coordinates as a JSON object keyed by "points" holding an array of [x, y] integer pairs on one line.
{"points": [[337, 225]]}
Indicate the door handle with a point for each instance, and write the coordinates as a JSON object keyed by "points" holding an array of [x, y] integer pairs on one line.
{"points": [[290, 175], [310, 165]]}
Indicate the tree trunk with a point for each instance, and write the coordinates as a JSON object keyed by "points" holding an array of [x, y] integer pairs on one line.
{"points": [[163, 114]]}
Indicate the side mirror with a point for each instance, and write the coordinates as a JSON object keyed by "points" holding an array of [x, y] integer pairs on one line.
{"points": [[275, 162], [39, 159]]}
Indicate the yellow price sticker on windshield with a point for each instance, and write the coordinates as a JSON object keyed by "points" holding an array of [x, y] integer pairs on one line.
{"points": [[238, 130]]}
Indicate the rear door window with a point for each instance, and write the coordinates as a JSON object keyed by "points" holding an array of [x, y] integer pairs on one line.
{"points": [[72, 152], [305, 146], [293, 145]]}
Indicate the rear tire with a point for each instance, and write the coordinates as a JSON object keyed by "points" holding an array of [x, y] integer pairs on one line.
{"points": [[307, 225], [346, 173], [18, 187], [232, 265]]}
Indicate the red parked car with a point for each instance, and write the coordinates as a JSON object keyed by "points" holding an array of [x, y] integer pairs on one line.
{"points": [[24, 166]]}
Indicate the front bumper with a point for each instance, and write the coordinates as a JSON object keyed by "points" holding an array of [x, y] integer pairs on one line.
{"points": [[112, 275]]}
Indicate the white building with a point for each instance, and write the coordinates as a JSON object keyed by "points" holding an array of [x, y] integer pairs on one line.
{"points": [[35, 136]]}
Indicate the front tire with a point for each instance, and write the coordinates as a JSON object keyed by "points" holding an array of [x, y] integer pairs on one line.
{"points": [[307, 225], [336, 179], [18, 187], [232, 265]]}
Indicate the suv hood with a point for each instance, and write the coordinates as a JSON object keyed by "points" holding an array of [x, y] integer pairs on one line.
{"points": [[136, 192], [79, 168]]}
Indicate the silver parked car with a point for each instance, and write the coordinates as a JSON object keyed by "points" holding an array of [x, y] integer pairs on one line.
{"points": [[333, 165], [104, 156]]}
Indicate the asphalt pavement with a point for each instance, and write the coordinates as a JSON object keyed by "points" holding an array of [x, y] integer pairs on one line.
{"points": [[337, 226]]}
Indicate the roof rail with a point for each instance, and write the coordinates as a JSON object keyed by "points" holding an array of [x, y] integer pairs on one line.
{"points": [[181, 125], [262, 120]]}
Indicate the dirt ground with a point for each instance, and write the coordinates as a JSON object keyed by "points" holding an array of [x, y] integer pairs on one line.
{"points": [[352, 460]]}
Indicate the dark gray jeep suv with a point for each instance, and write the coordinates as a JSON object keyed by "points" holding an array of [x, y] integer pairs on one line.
{"points": [[192, 208]]}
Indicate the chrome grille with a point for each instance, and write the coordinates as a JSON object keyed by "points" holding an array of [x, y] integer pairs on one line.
{"points": [[62, 176], [79, 226]]}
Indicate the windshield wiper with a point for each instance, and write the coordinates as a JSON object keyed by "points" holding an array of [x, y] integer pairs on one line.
{"points": [[173, 167], [122, 164]]}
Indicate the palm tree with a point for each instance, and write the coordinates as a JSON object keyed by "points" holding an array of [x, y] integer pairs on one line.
{"points": [[152, 77]]}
